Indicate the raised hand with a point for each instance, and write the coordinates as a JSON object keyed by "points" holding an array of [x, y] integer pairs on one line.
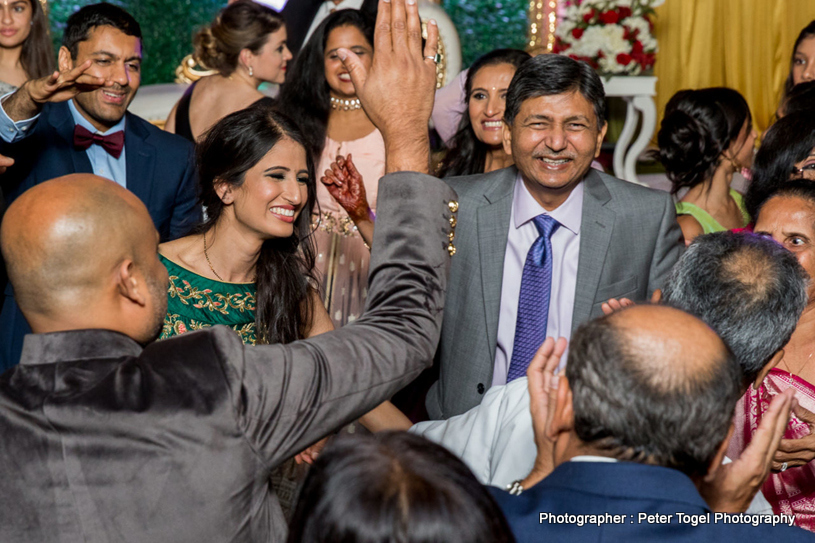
{"points": [[542, 384], [60, 86], [346, 186], [797, 452], [397, 92], [731, 487]]}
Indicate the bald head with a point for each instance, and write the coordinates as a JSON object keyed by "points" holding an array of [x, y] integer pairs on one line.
{"points": [[64, 240], [655, 385]]}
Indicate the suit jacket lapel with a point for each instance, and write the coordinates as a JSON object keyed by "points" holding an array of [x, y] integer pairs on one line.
{"points": [[493, 231], [140, 157], [596, 228], [60, 118]]}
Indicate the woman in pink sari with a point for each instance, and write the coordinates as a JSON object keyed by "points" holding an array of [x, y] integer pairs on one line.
{"points": [[788, 216]]}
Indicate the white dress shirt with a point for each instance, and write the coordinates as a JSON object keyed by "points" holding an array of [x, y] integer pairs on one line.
{"points": [[565, 253], [327, 8]]}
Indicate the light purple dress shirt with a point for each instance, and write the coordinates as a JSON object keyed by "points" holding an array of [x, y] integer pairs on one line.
{"points": [[565, 254]]}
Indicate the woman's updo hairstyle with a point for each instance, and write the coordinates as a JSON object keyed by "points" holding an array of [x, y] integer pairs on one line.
{"points": [[285, 276], [242, 25], [698, 127]]}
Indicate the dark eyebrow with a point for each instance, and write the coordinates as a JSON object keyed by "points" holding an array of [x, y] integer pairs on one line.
{"points": [[273, 168], [111, 55]]}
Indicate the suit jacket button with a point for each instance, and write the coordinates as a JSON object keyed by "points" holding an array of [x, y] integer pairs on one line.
{"points": [[451, 236], [480, 388], [453, 205], [451, 249], [453, 222]]}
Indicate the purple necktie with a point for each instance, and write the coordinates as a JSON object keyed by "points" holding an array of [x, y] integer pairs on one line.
{"points": [[533, 303]]}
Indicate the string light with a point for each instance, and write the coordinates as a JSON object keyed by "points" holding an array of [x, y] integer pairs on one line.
{"points": [[542, 25]]}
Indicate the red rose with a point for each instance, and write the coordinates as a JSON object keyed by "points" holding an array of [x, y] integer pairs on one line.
{"points": [[589, 16], [609, 17], [624, 58], [636, 47], [577, 33], [623, 12]]}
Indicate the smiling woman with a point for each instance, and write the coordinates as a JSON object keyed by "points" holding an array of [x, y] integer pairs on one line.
{"points": [[321, 98], [25, 47]]}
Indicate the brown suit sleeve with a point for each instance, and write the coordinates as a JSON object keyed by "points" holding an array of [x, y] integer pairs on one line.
{"points": [[288, 396]]}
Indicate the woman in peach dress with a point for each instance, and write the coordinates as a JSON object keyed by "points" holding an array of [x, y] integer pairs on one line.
{"points": [[320, 96]]}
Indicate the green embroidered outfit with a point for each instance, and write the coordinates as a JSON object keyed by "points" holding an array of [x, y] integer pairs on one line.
{"points": [[708, 223], [195, 302]]}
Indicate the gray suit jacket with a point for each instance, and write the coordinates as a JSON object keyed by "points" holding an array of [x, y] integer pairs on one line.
{"points": [[104, 441], [629, 241]]}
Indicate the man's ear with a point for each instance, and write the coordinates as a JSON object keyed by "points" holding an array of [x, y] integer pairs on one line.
{"points": [[64, 60], [600, 137], [224, 192], [767, 367], [719, 457], [506, 135], [562, 420], [129, 286]]}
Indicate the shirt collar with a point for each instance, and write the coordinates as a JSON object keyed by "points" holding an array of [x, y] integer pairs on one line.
{"points": [[76, 345], [592, 458], [569, 214], [84, 123]]}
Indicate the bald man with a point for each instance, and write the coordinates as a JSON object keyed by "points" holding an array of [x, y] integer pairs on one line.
{"points": [[642, 416], [107, 437]]}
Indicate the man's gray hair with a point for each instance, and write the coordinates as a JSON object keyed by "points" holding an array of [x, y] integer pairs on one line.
{"points": [[748, 288]]}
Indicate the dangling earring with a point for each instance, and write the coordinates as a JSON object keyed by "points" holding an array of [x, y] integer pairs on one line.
{"points": [[251, 72]]}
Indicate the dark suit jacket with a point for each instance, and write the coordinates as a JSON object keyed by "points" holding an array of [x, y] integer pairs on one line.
{"points": [[625, 488], [105, 441], [160, 171], [299, 14], [629, 241]]}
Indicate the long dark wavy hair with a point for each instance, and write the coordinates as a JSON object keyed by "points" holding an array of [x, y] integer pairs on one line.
{"points": [[698, 126], [37, 55], [807, 32], [305, 95], [285, 266], [467, 154], [789, 141]]}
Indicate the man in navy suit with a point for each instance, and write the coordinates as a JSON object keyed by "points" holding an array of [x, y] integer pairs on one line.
{"points": [[642, 417], [76, 121]]}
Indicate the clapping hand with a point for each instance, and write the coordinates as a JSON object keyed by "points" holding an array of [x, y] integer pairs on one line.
{"points": [[542, 385], [797, 452], [397, 92], [731, 487], [346, 186]]}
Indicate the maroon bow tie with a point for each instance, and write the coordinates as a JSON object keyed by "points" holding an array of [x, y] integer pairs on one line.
{"points": [[112, 143]]}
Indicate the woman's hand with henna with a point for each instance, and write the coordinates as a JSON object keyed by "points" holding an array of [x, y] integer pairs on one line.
{"points": [[346, 186]]}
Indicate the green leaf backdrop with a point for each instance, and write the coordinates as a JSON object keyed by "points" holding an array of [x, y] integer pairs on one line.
{"points": [[168, 26]]}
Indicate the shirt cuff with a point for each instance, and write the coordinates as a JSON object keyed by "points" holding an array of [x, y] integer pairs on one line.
{"points": [[9, 130]]}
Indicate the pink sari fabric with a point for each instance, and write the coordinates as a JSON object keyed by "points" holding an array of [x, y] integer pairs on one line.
{"points": [[791, 491]]}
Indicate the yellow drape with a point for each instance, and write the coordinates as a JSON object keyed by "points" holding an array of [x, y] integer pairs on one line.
{"points": [[742, 44]]}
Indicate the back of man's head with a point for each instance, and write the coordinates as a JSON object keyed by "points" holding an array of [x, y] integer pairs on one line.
{"points": [[394, 486], [80, 24], [749, 289], [549, 75], [78, 241], [654, 385]]}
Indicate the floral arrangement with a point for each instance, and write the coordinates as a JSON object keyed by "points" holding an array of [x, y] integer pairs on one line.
{"points": [[613, 36]]}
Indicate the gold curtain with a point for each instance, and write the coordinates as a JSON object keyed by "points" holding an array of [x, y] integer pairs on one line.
{"points": [[742, 44]]}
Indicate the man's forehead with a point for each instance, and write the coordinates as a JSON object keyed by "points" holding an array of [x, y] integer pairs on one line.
{"points": [[109, 39], [565, 104]]}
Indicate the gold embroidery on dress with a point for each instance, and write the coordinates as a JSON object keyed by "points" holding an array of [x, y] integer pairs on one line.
{"points": [[334, 223], [174, 325], [204, 298]]}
